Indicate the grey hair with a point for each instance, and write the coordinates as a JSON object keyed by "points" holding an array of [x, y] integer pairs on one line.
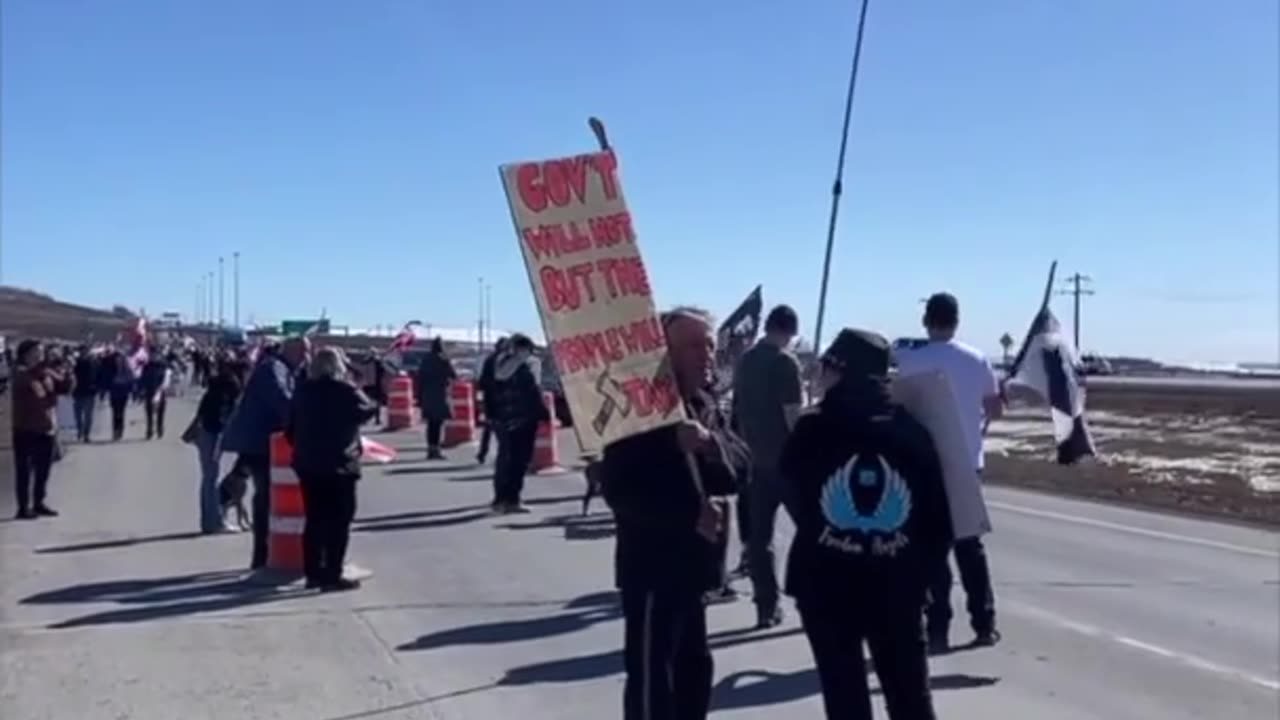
{"points": [[688, 312], [328, 363]]}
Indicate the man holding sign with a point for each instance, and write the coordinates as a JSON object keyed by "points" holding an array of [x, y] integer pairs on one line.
{"points": [[637, 387]]}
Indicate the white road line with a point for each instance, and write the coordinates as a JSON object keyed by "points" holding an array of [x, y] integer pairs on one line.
{"points": [[1133, 530], [1190, 661]]}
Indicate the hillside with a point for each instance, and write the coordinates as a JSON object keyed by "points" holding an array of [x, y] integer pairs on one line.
{"points": [[24, 313]]}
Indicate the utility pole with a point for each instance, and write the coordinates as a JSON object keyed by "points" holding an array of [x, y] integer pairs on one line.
{"points": [[480, 325], [1076, 288], [235, 280], [222, 316], [208, 309]]}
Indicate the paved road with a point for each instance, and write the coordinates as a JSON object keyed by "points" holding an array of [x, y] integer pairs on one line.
{"points": [[116, 611], [1214, 383]]}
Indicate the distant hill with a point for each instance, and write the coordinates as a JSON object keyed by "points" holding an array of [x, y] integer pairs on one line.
{"points": [[25, 313]]}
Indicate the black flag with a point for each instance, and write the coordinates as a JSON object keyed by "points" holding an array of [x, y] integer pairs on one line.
{"points": [[1047, 364], [735, 336]]}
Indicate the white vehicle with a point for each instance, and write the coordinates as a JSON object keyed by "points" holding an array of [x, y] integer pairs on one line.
{"points": [[1091, 364]]}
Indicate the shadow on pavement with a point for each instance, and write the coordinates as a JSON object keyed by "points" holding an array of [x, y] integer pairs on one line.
{"points": [[157, 598], [597, 526], [552, 500], [754, 688], [591, 609], [436, 522], [427, 470], [117, 543], [609, 663]]}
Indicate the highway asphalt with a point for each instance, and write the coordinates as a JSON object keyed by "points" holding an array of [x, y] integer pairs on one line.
{"points": [[117, 610]]}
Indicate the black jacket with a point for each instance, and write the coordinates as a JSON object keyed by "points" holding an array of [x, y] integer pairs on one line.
{"points": [[656, 505], [217, 403], [517, 397], [324, 427], [864, 487], [86, 374], [488, 384]]}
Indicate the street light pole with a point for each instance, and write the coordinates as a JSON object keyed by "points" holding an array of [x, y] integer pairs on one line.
{"points": [[221, 314], [235, 275]]}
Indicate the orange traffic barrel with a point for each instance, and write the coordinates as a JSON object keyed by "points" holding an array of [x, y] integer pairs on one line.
{"points": [[400, 403], [288, 517], [546, 455], [460, 428]]}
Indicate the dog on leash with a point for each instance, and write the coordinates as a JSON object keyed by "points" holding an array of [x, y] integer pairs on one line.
{"points": [[231, 493]]}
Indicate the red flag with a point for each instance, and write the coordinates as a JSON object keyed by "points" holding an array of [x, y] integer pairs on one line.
{"points": [[405, 338], [375, 452]]}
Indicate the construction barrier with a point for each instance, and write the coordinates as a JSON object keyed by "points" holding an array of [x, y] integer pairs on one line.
{"points": [[400, 403], [284, 544], [460, 428], [546, 456]]}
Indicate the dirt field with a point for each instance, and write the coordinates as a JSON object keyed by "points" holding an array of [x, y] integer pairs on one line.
{"points": [[1203, 451]]}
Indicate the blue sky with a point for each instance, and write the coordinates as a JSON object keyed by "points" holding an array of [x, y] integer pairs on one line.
{"points": [[349, 150]]}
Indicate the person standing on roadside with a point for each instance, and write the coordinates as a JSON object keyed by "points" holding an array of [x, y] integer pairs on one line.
{"points": [[85, 393], [35, 386], [670, 529], [434, 377], [324, 428], [262, 411], [517, 399], [122, 382], [154, 385], [487, 385], [215, 408], [977, 396], [766, 403], [864, 487]]}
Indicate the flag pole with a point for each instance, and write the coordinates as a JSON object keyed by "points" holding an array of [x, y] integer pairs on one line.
{"points": [[837, 188]]}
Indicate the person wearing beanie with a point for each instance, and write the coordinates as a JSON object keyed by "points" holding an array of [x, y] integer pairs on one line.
{"points": [[863, 485]]}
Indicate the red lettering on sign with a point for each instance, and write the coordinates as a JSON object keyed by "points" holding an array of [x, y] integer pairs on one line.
{"points": [[610, 230], [650, 396], [529, 188], [560, 182], [625, 276], [593, 350], [606, 165]]}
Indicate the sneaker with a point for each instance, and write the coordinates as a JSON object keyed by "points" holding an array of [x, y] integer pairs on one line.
{"points": [[990, 638], [518, 508], [314, 584], [45, 511], [340, 585], [768, 619], [435, 455], [24, 514], [723, 595]]}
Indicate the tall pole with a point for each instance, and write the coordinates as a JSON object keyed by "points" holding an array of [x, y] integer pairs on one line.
{"points": [[480, 325], [235, 281], [222, 316], [209, 308], [1076, 289], [195, 315], [488, 311], [836, 187]]}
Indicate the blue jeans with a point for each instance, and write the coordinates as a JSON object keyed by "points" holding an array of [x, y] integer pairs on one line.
{"points": [[207, 445], [84, 415]]}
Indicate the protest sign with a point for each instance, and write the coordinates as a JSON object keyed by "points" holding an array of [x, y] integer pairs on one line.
{"points": [[593, 294], [928, 397]]}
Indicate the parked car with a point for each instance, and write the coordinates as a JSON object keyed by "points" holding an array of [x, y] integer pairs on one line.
{"points": [[1091, 364]]}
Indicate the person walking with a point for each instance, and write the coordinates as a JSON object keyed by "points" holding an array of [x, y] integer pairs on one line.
{"points": [[263, 410], [215, 409], [434, 376], [977, 395], [121, 390], [154, 385], [670, 528], [324, 429], [84, 394], [519, 409], [864, 487], [35, 387], [487, 386], [766, 403]]}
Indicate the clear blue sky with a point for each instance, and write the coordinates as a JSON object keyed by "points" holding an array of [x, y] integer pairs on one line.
{"points": [[349, 151]]}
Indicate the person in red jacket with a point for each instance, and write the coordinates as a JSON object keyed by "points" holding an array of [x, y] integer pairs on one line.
{"points": [[36, 386]]}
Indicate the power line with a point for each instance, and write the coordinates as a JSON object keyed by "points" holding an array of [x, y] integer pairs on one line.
{"points": [[1076, 289]]}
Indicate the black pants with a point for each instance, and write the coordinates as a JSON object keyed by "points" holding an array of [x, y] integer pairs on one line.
{"points": [[836, 632], [486, 436], [763, 497], [32, 461], [155, 415], [84, 415], [330, 502], [259, 467], [435, 427], [119, 402], [667, 659], [515, 451], [975, 576]]}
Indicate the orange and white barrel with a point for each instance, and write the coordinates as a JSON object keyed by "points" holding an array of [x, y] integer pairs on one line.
{"points": [[460, 428], [546, 455], [400, 402], [288, 516]]}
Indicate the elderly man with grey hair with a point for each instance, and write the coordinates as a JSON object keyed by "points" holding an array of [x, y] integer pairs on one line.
{"points": [[324, 428], [262, 411]]}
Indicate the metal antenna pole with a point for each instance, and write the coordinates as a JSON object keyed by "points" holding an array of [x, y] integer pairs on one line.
{"points": [[837, 188]]}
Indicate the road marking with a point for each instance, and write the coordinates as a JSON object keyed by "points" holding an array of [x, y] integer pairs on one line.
{"points": [[1132, 530], [1190, 661]]}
